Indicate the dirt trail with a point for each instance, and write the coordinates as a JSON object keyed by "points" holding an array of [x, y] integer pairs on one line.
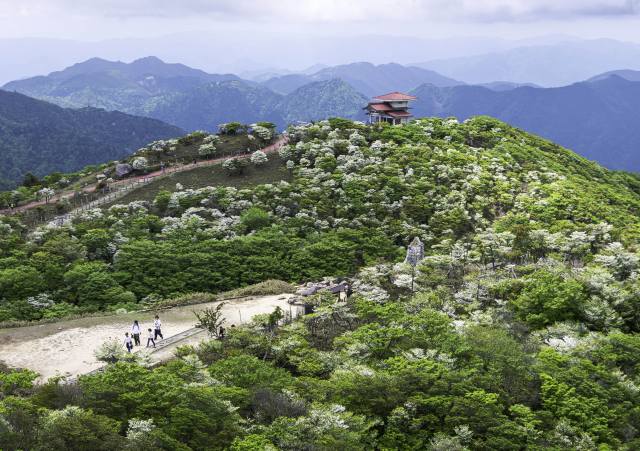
{"points": [[67, 348]]}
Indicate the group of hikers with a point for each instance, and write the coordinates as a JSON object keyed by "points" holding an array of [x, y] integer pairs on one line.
{"points": [[133, 339]]}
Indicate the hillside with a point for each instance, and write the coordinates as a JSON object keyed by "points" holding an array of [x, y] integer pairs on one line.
{"points": [[114, 85], [205, 106], [366, 78], [320, 100], [39, 137], [517, 330], [194, 100], [597, 119]]}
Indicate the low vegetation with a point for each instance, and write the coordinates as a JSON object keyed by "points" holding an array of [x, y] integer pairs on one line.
{"points": [[518, 329]]}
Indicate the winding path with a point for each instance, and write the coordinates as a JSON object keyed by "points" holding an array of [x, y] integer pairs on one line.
{"points": [[122, 186]]}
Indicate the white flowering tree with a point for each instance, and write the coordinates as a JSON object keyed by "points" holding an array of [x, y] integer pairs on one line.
{"points": [[259, 158], [46, 194], [235, 165], [265, 131], [140, 163], [206, 149]]}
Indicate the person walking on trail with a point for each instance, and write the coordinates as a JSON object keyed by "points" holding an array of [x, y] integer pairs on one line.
{"points": [[135, 331], [128, 342], [150, 339], [157, 328]]}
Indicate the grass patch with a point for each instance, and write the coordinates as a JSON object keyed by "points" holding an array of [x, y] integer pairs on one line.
{"points": [[266, 288], [12, 324], [229, 144], [273, 171]]}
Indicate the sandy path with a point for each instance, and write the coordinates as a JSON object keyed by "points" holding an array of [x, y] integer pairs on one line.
{"points": [[67, 348]]}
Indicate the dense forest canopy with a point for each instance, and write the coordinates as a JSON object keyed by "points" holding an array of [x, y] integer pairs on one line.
{"points": [[520, 331], [38, 137]]}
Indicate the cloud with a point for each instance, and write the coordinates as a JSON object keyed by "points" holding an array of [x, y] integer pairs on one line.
{"points": [[318, 11]]}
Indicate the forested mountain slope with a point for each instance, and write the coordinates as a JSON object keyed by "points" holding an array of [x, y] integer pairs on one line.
{"points": [[194, 100], [597, 119], [41, 138], [518, 330], [114, 85]]}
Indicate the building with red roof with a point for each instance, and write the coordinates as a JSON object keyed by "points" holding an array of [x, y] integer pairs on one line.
{"points": [[392, 108]]}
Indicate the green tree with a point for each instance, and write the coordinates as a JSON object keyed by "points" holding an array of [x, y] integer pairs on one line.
{"points": [[254, 219], [548, 297]]}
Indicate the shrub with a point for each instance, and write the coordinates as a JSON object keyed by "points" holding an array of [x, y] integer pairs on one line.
{"points": [[235, 165], [211, 319], [259, 158], [110, 351], [254, 219], [140, 163]]}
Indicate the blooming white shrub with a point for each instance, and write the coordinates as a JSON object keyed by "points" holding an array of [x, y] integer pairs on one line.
{"points": [[46, 193], [211, 139], [259, 158], [139, 430], [207, 149], [263, 133], [40, 301], [140, 163]]}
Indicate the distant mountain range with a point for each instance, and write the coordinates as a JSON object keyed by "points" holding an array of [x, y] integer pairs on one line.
{"points": [[39, 137], [598, 119], [133, 88], [366, 78], [630, 75], [558, 64], [192, 99]]}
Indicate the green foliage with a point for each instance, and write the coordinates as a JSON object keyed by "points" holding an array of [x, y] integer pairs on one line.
{"points": [[74, 138], [75, 428], [521, 333], [13, 382], [254, 219], [210, 319], [547, 298]]}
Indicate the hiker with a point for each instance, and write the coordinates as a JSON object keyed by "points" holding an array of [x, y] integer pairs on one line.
{"points": [[157, 328], [150, 339], [127, 342], [135, 332], [221, 333]]}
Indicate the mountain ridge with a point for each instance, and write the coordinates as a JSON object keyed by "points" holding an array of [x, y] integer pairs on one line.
{"points": [[40, 137], [590, 117], [367, 78], [550, 65]]}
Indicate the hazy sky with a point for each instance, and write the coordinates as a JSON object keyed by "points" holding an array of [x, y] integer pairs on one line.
{"points": [[103, 19], [263, 35]]}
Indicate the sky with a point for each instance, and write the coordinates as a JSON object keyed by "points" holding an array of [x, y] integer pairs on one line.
{"points": [[261, 35], [104, 19]]}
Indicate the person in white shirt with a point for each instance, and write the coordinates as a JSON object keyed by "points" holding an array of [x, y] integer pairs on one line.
{"points": [[127, 342], [150, 339], [157, 328], [135, 332]]}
